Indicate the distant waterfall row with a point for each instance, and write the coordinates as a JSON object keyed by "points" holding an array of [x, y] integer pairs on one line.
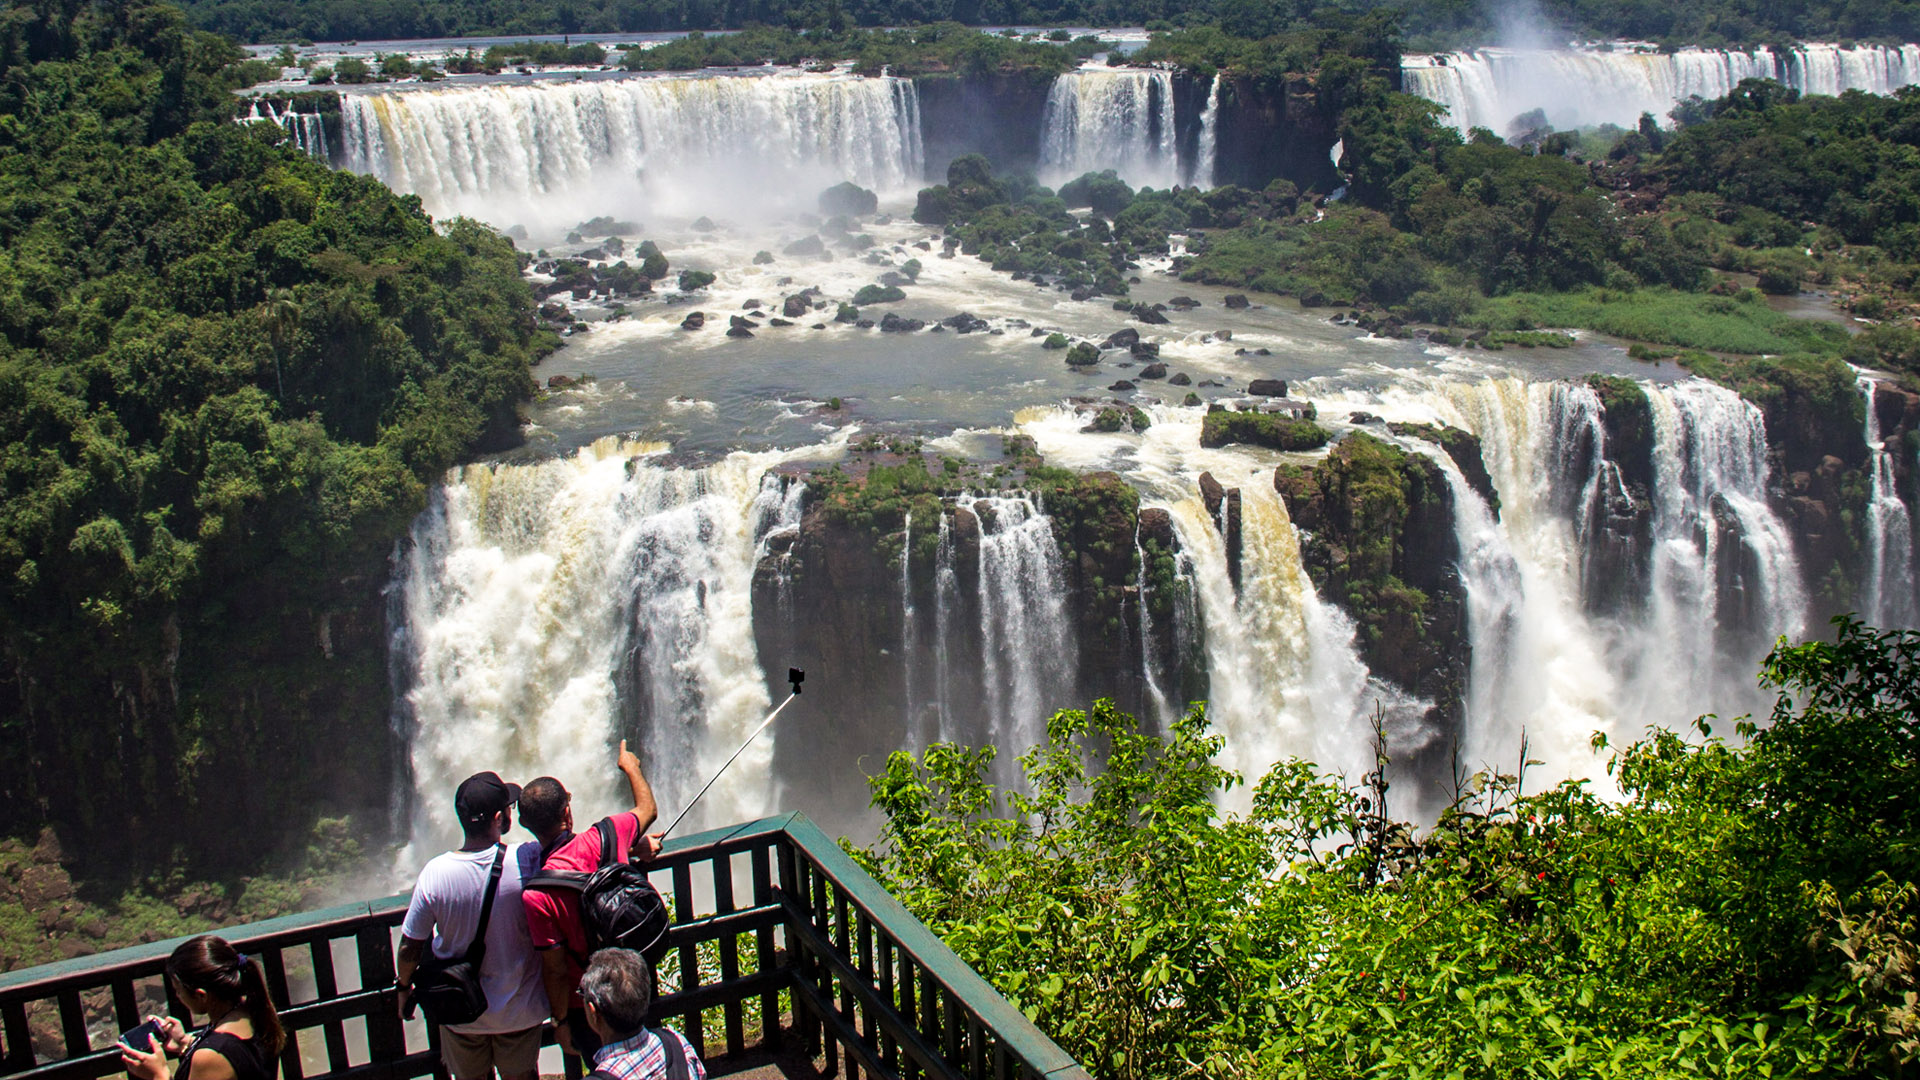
{"points": [[565, 151], [1489, 88]]}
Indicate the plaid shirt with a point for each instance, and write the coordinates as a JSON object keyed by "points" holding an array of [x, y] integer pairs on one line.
{"points": [[644, 1057]]}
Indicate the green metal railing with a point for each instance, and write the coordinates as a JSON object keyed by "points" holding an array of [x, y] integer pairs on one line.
{"points": [[778, 936]]}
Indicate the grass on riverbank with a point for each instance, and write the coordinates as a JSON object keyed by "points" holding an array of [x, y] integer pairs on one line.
{"points": [[1742, 323]]}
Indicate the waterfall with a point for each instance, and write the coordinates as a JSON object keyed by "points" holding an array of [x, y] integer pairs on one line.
{"points": [[1205, 171], [1027, 637], [1889, 600], [549, 610], [946, 602], [308, 131], [1149, 670], [553, 153], [1585, 87], [1110, 118], [909, 649]]}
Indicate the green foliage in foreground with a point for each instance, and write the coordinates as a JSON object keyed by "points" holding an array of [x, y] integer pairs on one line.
{"points": [[1739, 910]]}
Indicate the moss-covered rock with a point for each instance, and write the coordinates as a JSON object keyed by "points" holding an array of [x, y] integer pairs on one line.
{"points": [[1378, 539], [1274, 431], [1464, 448]]}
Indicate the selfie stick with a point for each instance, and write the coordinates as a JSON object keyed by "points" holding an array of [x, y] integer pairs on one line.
{"points": [[794, 676]]}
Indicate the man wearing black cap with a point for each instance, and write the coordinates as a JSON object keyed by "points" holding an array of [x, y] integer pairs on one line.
{"points": [[446, 909]]}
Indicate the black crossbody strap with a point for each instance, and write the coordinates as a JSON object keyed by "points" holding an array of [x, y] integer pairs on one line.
{"points": [[676, 1053], [609, 842], [477, 948]]}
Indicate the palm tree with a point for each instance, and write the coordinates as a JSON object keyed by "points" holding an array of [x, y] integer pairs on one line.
{"points": [[279, 316]]}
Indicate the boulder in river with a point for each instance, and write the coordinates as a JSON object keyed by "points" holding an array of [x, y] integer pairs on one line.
{"points": [[1268, 387], [739, 331], [694, 320], [1236, 301], [1155, 370], [1145, 350], [795, 307], [1121, 387], [807, 245], [965, 323], [1180, 378], [1148, 315], [848, 199], [1122, 339], [1183, 303], [894, 324], [737, 322], [1083, 293], [703, 224]]}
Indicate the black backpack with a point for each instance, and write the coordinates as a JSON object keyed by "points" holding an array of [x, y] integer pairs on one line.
{"points": [[618, 905], [449, 991]]}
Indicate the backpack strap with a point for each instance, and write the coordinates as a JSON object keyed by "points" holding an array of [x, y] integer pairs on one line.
{"points": [[477, 948], [610, 852], [675, 1052]]}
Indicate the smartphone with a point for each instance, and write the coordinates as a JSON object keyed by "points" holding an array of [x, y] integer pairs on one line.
{"points": [[144, 1037]]}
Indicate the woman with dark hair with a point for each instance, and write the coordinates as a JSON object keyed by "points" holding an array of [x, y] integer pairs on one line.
{"points": [[243, 1037]]}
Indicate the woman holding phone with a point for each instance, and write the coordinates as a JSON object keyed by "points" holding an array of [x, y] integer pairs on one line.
{"points": [[243, 1037]]}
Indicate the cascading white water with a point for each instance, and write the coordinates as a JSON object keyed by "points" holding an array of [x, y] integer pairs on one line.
{"points": [[551, 153], [1889, 599], [909, 626], [1583, 87], [1149, 669], [946, 602], [1205, 166], [308, 131], [529, 592], [1028, 644], [1110, 118]]}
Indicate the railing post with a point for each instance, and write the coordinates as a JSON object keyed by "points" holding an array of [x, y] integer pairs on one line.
{"points": [[386, 1038]]}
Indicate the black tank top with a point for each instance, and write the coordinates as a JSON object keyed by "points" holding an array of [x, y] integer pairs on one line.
{"points": [[249, 1059]]}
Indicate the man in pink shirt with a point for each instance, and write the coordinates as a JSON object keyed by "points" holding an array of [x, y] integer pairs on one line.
{"points": [[553, 915]]}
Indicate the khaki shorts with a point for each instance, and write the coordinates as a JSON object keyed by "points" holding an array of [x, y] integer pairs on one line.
{"points": [[474, 1057]]}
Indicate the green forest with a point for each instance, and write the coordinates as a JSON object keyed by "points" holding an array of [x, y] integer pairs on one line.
{"points": [[1445, 24], [1745, 908], [227, 375]]}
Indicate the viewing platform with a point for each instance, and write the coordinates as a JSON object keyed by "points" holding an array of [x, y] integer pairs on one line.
{"points": [[787, 960]]}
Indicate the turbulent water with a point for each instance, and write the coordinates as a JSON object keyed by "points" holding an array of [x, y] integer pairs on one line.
{"points": [[549, 152], [1489, 88], [549, 610]]}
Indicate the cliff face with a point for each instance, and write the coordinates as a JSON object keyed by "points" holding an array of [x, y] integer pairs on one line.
{"points": [[1378, 539], [996, 115], [1274, 132]]}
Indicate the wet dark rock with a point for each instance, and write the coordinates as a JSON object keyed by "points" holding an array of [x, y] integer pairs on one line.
{"points": [[1235, 301], [1183, 303], [779, 322], [751, 304], [965, 323], [559, 382], [738, 322], [703, 224], [808, 245], [1223, 335], [1154, 370], [1362, 418], [1148, 315], [1144, 350], [894, 324], [864, 324], [1084, 293], [1122, 339], [694, 320], [739, 331], [795, 307], [1121, 387], [1180, 378], [848, 198], [762, 258], [1268, 387]]}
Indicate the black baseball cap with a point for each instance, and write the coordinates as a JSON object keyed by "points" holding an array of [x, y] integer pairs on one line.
{"points": [[483, 795]]}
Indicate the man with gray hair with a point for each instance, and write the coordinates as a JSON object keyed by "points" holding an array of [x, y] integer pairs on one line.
{"points": [[617, 991]]}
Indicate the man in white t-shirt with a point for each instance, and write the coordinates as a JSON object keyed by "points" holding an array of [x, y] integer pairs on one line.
{"points": [[445, 910]]}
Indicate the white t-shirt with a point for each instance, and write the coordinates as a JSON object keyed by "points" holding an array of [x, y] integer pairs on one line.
{"points": [[446, 908]]}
